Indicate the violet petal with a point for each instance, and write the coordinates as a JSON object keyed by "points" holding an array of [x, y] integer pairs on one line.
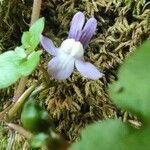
{"points": [[88, 70], [76, 25], [88, 31], [48, 45], [61, 66]]}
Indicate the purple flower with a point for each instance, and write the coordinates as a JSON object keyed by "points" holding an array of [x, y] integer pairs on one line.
{"points": [[71, 51]]}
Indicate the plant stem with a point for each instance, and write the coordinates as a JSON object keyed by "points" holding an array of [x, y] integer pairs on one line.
{"points": [[22, 83], [4, 112], [38, 90], [36, 10], [20, 89], [12, 112], [20, 130]]}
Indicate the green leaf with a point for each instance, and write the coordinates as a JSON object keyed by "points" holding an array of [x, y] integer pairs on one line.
{"points": [[39, 140], [27, 66], [31, 38], [8, 68], [138, 140], [105, 135], [34, 118], [37, 27], [132, 90], [14, 64], [20, 52], [26, 41]]}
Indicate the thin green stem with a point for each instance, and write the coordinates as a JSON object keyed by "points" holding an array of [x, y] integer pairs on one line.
{"points": [[12, 112], [4, 112], [38, 90]]}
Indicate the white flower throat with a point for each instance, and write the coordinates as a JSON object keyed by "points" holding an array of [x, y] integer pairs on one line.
{"points": [[72, 48]]}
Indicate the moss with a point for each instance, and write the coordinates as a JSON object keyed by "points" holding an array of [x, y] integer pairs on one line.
{"points": [[11, 140], [76, 102], [3, 138]]}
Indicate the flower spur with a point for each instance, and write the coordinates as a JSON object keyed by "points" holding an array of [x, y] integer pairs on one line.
{"points": [[71, 51]]}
